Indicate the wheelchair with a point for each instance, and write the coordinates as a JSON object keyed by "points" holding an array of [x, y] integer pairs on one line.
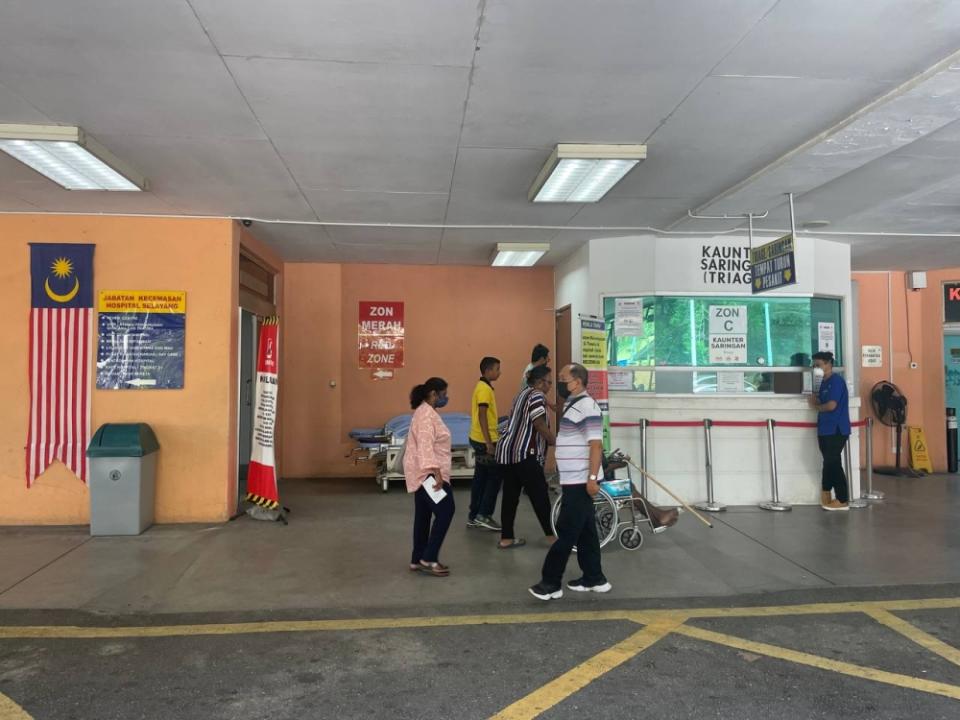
{"points": [[615, 508]]}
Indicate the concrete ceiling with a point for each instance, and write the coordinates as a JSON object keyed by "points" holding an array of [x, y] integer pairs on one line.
{"points": [[441, 112]]}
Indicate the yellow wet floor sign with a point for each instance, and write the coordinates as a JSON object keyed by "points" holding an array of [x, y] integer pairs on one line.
{"points": [[919, 455]]}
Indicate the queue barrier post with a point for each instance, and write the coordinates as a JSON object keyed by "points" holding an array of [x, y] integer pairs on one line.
{"points": [[854, 503], [644, 423], [711, 505], [774, 503], [871, 494]]}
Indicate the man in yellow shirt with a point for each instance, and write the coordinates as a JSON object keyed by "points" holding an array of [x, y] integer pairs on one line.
{"points": [[483, 439]]}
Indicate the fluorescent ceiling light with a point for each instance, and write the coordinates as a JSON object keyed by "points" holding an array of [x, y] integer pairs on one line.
{"points": [[69, 157], [584, 173], [519, 254]]}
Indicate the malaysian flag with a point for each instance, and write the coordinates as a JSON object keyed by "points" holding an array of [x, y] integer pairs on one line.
{"points": [[61, 333]]}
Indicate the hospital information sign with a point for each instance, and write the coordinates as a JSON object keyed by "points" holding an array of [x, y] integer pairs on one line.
{"points": [[773, 265], [141, 339], [380, 334]]}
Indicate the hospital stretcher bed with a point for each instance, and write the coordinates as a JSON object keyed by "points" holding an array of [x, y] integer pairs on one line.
{"points": [[384, 447]]}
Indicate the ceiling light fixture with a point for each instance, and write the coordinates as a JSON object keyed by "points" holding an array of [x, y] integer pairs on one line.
{"points": [[519, 254], [69, 157], [583, 173]]}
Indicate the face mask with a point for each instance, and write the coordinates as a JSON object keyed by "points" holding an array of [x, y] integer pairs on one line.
{"points": [[818, 372], [563, 390], [442, 401]]}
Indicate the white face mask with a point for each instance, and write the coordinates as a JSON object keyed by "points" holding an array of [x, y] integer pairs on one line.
{"points": [[818, 372]]}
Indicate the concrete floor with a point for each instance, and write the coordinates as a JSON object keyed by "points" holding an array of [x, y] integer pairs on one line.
{"points": [[343, 559], [347, 546]]}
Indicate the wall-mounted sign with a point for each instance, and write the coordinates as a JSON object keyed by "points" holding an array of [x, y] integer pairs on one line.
{"points": [[593, 353], [951, 302], [628, 317], [728, 334], [380, 334], [593, 344], [141, 339], [871, 355], [773, 265]]}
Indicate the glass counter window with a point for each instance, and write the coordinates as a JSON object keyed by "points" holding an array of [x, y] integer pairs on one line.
{"points": [[716, 333]]}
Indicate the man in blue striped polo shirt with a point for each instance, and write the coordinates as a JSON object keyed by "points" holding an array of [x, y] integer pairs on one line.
{"points": [[579, 456]]}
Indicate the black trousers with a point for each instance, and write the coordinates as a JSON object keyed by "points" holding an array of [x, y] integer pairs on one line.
{"points": [[426, 539], [525, 475], [486, 482], [831, 447], [576, 526]]}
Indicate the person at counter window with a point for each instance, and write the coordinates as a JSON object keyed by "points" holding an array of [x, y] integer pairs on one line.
{"points": [[833, 431]]}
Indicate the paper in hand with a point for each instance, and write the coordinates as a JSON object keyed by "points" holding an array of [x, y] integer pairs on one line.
{"points": [[435, 495]]}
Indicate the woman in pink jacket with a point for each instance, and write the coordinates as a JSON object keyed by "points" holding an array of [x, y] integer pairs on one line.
{"points": [[426, 461]]}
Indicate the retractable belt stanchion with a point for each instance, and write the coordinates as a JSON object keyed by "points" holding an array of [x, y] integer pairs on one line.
{"points": [[848, 467], [870, 494], [644, 423], [711, 505], [775, 503]]}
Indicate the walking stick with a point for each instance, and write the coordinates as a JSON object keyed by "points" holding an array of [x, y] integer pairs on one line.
{"points": [[667, 490]]}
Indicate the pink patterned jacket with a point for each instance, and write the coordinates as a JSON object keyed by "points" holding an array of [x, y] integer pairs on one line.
{"points": [[427, 448]]}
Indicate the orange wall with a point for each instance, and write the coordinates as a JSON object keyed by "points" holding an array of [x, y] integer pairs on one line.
{"points": [[196, 425], [923, 387], [449, 328]]}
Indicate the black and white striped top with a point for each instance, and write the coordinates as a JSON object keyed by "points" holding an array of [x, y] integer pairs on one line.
{"points": [[521, 439]]}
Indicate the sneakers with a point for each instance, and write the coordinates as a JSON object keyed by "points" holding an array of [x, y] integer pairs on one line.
{"points": [[472, 523], [542, 592], [487, 522], [579, 585], [835, 506]]}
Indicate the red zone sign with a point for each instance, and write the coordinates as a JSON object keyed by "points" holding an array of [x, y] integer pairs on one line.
{"points": [[380, 334]]}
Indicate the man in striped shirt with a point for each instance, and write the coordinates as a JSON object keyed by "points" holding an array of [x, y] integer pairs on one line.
{"points": [[520, 455], [579, 456]]}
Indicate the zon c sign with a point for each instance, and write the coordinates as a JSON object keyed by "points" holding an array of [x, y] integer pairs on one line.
{"points": [[380, 334]]}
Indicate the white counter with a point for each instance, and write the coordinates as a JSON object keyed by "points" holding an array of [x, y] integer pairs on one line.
{"points": [[741, 458]]}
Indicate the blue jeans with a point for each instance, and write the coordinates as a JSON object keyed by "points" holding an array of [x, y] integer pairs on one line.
{"points": [[486, 483]]}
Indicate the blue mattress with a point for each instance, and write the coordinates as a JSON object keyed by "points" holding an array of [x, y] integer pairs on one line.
{"points": [[398, 427]]}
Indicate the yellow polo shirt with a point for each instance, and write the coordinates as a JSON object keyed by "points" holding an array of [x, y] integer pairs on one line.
{"points": [[483, 395]]}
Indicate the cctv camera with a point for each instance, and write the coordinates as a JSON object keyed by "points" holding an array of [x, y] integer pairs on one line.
{"points": [[247, 223]]}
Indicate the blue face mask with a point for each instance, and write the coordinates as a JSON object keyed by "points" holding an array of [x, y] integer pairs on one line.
{"points": [[442, 401]]}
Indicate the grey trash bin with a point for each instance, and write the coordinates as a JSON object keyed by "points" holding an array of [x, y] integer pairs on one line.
{"points": [[123, 478]]}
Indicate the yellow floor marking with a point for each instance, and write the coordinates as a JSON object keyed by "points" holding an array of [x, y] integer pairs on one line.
{"points": [[558, 690], [802, 658], [912, 632], [644, 617], [288, 626], [9, 710], [825, 608]]}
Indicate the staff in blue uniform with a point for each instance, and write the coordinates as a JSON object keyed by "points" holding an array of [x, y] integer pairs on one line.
{"points": [[833, 431]]}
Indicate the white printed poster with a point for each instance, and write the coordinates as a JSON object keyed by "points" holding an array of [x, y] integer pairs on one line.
{"points": [[872, 356], [728, 334], [628, 317], [618, 379], [729, 382], [826, 337]]}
